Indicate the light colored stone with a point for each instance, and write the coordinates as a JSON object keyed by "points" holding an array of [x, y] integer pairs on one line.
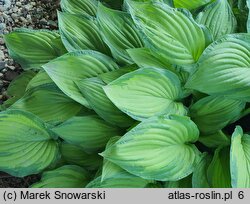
{"points": [[1, 55]]}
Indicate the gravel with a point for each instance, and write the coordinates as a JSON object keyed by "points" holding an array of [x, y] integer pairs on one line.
{"points": [[32, 14]]}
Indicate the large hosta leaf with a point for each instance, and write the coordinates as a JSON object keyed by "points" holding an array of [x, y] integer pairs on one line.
{"points": [[92, 90], [199, 178], [68, 176], [73, 154], [146, 92], [219, 18], [240, 159], [119, 32], [87, 7], [159, 148], [230, 78], [170, 32], [80, 33], [219, 170], [49, 103], [32, 48], [116, 177], [89, 132], [65, 71], [190, 4], [26, 147], [213, 113]]}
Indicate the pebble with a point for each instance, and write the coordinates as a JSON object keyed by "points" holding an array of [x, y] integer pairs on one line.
{"points": [[19, 4], [23, 20], [2, 65], [12, 67], [14, 16], [2, 55]]}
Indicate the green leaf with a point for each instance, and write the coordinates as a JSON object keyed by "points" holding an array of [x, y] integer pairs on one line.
{"points": [[241, 12], [199, 178], [213, 113], [240, 159], [117, 4], [32, 48], [16, 88], [68, 176], [88, 132], [49, 103], [110, 169], [92, 90], [219, 18], [190, 4], [111, 76], [65, 71], [183, 183], [119, 32], [248, 19], [41, 78], [215, 140], [80, 33], [87, 7], [146, 92], [215, 77], [129, 181], [115, 175], [219, 169], [26, 147], [170, 32], [73, 154], [159, 148]]}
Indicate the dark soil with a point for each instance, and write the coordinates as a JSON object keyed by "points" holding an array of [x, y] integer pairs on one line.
{"points": [[7, 181]]}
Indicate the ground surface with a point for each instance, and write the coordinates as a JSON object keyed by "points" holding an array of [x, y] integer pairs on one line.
{"points": [[33, 14]]}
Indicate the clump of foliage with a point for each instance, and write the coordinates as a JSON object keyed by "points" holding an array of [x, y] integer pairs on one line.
{"points": [[140, 93]]}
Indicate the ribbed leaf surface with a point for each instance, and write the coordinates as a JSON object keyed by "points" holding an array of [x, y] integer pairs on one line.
{"points": [[240, 159], [92, 90], [32, 49], [146, 92], [89, 132], [224, 68], [73, 67], [68, 176], [119, 32], [80, 33], [49, 103], [213, 113], [171, 32], [87, 7], [219, 18], [26, 147], [159, 148]]}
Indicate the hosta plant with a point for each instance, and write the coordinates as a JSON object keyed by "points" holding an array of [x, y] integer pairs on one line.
{"points": [[134, 93]]}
